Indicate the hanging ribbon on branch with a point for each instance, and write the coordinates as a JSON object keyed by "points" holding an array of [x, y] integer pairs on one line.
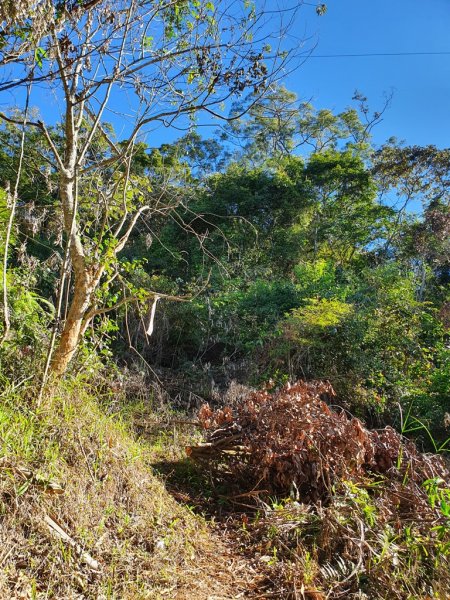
{"points": [[152, 317]]}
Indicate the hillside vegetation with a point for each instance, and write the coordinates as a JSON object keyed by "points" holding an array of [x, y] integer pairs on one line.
{"points": [[224, 360], [83, 514]]}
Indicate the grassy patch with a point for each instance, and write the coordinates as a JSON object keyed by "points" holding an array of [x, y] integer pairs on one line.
{"points": [[71, 462]]}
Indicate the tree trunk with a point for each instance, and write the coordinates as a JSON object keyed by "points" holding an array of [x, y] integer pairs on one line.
{"points": [[70, 335], [84, 280]]}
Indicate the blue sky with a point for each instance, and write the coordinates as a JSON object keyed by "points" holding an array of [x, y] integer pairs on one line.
{"points": [[419, 111], [420, 108]]}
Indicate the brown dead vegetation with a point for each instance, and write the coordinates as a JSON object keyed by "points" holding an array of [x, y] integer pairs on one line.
{"points": [[341, 511]]}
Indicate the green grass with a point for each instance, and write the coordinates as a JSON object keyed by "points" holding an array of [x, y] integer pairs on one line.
{"points": [[112, 504]]}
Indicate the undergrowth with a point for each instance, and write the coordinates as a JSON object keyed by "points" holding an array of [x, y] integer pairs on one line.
{"points": [[333, 510], [70, 463], [301, 501]]}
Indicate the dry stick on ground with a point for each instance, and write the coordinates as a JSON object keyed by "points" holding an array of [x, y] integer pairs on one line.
{"points": [[6, 554], [63, 535]]}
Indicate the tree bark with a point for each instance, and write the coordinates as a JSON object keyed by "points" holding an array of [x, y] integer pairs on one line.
{"points": [[70, 335], [85, 280]]}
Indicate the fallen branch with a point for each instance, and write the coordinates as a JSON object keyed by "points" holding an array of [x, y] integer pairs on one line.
{"points": [[85, 557], [211, 450]]}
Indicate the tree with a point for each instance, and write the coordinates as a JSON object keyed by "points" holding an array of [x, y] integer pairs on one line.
{"points": [[268, 126], [415, 173], [175, 59], [346, 216], [418, 175], [278, 124]]}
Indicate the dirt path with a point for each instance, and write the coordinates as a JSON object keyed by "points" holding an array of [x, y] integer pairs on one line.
{"points": [[223, 570], [223, 573]]}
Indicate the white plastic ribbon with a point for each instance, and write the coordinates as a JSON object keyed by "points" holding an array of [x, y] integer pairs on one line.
{"points": [[152, 317]]}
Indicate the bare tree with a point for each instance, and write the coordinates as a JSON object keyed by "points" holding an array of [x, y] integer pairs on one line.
{"points": [[166, 61]]}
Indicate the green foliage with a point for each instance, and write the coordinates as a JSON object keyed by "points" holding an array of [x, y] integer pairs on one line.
{"points": [[257, 308], [307, 276], [22, 352], [4, 219], [295, 266], [277, 125], [30, 312], [346, 217], [319, 313]]}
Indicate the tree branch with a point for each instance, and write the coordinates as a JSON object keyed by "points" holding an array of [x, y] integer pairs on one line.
{"points": [[123, 240]]}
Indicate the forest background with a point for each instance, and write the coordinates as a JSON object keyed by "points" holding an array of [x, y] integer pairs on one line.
{"points": [[265, 241], [290, 232]]}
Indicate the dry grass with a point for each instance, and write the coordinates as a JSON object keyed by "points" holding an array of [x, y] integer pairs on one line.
{"points": [[71, 462], [101, 470]]}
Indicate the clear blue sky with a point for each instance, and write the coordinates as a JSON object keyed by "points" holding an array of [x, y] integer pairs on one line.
{"points": [[420, 109]]}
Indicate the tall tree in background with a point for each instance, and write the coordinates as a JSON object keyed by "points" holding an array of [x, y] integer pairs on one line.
{"points": [[167, 61], [419, 176], [279, 124]]}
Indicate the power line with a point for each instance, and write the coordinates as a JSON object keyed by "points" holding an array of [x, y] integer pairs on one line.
{"points": [[445, 53]]}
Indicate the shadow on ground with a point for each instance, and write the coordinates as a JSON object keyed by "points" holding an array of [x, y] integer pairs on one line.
{"points": [[195, 485]]}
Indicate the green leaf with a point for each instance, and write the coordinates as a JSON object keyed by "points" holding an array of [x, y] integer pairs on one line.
{"points": [[148, 42], [39, 55]]}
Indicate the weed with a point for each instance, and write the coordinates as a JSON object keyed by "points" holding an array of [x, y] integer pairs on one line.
{"points": [[109, 503]]}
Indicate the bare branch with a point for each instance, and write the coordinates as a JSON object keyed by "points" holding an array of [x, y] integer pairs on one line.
{"points": [[13, 199], [124, 239]]}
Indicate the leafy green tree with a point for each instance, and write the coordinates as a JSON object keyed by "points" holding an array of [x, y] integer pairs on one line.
{"points": [[346, 217], [175, 61], [277, 125], [418, 176]]}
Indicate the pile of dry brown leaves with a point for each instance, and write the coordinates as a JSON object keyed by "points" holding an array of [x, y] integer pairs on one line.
{"points": [[293, 439], [360, 513]]}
